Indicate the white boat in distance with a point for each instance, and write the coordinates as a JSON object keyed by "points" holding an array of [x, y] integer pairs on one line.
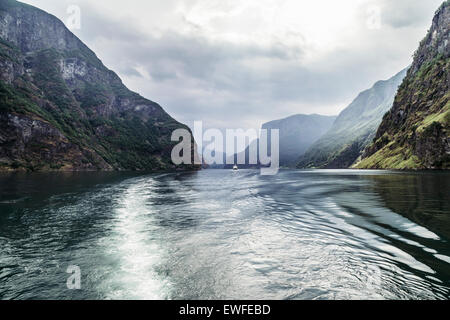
{"points": [[235, 168]]}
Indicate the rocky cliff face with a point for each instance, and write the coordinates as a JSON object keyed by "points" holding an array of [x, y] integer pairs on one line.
{"points": [[62, 109], [415, 134], [354, 128]]}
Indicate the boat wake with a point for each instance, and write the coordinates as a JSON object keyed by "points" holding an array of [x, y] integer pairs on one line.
{"points": [[135, 245]]}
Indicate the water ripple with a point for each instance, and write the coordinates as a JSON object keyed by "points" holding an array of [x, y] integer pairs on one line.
{"points": [[218, 234]]}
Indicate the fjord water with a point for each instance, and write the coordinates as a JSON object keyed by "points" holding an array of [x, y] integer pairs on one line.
{"points": [[219, 234]]}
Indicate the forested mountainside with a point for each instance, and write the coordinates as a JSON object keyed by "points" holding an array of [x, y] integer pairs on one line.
{"points": [[415, 134], [62, 109]]}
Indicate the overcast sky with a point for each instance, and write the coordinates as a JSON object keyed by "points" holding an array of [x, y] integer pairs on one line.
{"points": [[240, 63]]}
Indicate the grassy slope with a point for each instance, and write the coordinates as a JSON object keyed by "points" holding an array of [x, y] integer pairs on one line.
{"points": [[415, 133], [397, 151], [354, 129]]}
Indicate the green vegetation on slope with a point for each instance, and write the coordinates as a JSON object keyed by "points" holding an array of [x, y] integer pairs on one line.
{"points": [[95, 122], [354, 129], [415, 134], [416, 143]]}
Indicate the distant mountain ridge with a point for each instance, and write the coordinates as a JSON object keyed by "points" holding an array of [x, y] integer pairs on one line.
{"points": [[415, 134], [62, 109], [354, 128], [297, 133]]}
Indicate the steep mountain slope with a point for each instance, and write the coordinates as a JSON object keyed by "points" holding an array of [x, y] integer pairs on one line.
{"points": [[62, 109], [354, 128], [297, 134], [415, 134]]}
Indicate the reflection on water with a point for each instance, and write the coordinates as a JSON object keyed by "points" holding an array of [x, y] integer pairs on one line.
{"points": [[218, 234], [422, 198]]}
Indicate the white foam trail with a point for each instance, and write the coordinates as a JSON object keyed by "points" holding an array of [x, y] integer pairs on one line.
{"points": [[136, 248]]}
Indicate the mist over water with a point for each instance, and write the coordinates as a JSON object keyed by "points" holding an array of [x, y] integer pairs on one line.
{"points": [[218, 234]]}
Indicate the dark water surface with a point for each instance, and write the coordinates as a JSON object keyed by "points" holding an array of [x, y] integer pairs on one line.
{"points": [[219, 234]]}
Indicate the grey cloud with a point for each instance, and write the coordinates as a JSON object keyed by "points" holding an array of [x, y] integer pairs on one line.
{"points": [[231, 85], [130, 71], [406, 13]]}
